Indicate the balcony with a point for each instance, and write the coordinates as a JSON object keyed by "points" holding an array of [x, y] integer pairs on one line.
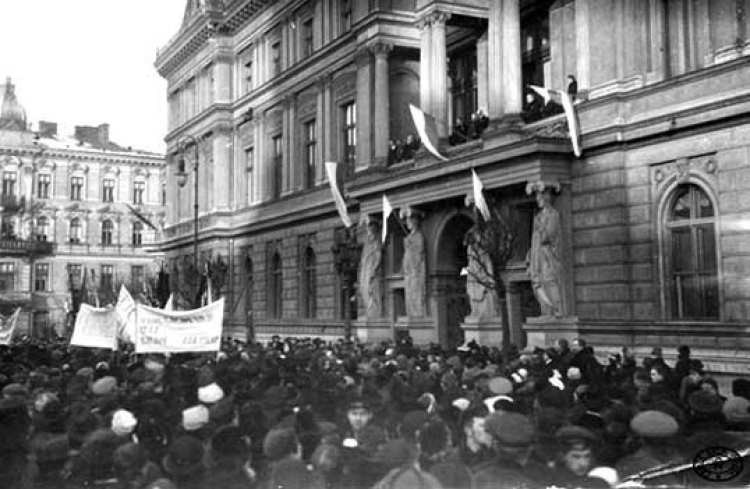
{"points": [[11, 203], [23, 247]]}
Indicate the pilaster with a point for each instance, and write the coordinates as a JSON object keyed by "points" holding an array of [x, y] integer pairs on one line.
{"points": [[482, 74], [425, 67], [364, 108], [512, 80], [221, 171], [657, 49], [439, 75], [322, 118], [583, 45], [494, 61], [382, 103]]}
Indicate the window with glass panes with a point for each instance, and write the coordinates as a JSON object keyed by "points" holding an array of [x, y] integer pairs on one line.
{"points": [[310, 131], [278, 159], [309, 299], [463, 74], [108, 190], [41, 277], [7, 276], [43, 185], [107, 232], [42, 228], [349, 112], [137, 233], [75, 230], [535, 47], [692, 276], [76, 188], [9, 183], [307, 37], [137, 277], [75, 275], [7, 227], [107, 278], [139, 188]]}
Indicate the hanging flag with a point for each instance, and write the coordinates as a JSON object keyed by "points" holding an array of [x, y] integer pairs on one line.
{"points": [[387, 210], [479, 201], [427, 130], [125, 310], [561, 97], [95, 328], [8, 326], [145, 220], [169, 306], [337, 197]]}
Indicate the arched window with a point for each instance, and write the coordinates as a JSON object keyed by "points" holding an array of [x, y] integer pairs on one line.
{"points": [[137, 233], [275, 287], [42, 228], [75, 230], [692, 268], [307, 292], [107, 232]]}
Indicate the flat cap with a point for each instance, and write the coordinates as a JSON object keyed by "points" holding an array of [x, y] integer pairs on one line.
{"points": [[654, 424], [510, 429]]}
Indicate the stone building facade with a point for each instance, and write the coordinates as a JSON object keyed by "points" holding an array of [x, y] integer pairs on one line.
{"points": [[654, 214], [75, 192]]}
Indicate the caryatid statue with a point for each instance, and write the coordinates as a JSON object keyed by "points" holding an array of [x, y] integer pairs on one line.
{"points": [[370, 269], [414, 265]]}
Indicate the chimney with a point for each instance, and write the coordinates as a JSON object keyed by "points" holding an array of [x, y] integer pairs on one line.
{"points": [[103, 133], [96, 136], [47, 129]]}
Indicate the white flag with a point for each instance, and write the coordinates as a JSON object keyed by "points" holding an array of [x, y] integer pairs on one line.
{"points": [[479, 196], [169, 306], [125, 310], [387, 210], [561, 97], [8, 326], [337, 197], [427, 130]]}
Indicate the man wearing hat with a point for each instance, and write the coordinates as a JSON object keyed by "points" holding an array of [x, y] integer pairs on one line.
{"points": [[513, 440], [575, 456], [658, 431]]}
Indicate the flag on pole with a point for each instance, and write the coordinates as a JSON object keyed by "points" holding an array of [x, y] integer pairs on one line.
{"points": [[169, 306], [427, 130], [8, 326], [387, 210], [145, 220], [337, 197], [479, 201], [125, 310], [562, 97]]}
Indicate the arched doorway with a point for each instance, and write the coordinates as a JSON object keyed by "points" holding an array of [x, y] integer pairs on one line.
{"points": [[449, 285]]}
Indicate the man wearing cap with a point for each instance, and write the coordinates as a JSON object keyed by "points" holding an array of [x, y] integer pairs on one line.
{"points": [[476, 444], [514, 466], [575, 456], [657, 430]]}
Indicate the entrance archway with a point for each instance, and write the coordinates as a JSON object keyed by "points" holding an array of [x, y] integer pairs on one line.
{"points": [[452, 302]]}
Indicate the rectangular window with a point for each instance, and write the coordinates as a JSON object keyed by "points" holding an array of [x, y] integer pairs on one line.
{"points": [[7, 277], [250, 167], [310, 152], [346, 15], [75, 275], [349, 112], [308, 46], [139, 189], [9, 183], [43, 184], [278, 159], [137, 234], [8, 228], [108, 190], [76, 188], [275, 59], [106, 281], [137, 277], [41, 277]]}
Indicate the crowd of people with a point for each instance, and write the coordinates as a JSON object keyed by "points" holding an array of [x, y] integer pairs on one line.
{"points": [[303, 413]]}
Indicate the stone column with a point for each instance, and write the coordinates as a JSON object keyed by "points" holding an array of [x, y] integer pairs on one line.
{"points": [[512, 80], [222, 89], [583, 46], [221, 171], [322, 120], [261, 189], [329, 127], [482, 74], [382, 103], [439, 76], [494, 61], [425, 69], [364, 108], [657, 68], [288, 143]]}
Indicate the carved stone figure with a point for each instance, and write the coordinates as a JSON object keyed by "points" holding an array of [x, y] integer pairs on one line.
{"points": [[544, 257], [414, 266], [370, 282], [218, 273], [479, 279]]}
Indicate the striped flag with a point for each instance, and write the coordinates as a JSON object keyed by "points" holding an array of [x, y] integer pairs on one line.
{"points": [[337, 197], [479, 201], [141, 217], [427, 130], [387, 210], [562, 97]]}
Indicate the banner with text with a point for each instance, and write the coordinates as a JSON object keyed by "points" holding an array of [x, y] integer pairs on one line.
{"points": [[7, 326], [160, 331], [95, 328]]}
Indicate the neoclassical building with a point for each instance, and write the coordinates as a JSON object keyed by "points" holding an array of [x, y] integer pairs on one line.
{"points": [[653, 217], [66, 212]]}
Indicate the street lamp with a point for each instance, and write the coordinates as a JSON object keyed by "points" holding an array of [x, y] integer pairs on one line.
{"points": [[346, 253], [182, 177]]}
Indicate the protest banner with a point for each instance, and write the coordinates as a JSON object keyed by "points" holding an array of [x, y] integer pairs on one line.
{"points": [[8, 326], [95, 328], [161, 331], [125, 309]]}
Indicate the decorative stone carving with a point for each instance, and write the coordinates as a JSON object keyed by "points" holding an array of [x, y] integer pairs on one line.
{"points": [[414, 265], [370, 270], [544, 264], [683, 169]]}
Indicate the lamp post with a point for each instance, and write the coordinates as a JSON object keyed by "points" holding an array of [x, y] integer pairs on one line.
{"points": [[346, 253], [183, 143]]}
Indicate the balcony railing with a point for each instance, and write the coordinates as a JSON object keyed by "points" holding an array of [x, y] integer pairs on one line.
{"points": [[11, 203], [25, 247]]}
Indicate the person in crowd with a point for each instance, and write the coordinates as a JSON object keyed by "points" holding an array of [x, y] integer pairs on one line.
{"points": [[575, 456]]}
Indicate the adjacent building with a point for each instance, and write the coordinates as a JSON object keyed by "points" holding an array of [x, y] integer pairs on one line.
{"points": [[655, 214], [67, 203]]}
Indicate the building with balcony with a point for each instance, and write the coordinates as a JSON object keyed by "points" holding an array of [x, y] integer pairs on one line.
{"points": [[65, 211], [653, 215]]}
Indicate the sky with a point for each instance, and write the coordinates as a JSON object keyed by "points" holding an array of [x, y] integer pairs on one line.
{"points": [[87, 62]]}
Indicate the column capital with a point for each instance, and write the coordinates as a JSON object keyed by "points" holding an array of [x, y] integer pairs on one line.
{"points": [[322, 81], [362, 54], [439, 18], [381, 49]]}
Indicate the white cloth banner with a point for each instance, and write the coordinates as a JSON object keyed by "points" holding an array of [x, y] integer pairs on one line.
{"points": [[95, 328], [563, 98], [387, 210], [479, 200], [160, 331], [8, 326], [338, 199], [125, 309], [169, 306], [427, 130]]}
